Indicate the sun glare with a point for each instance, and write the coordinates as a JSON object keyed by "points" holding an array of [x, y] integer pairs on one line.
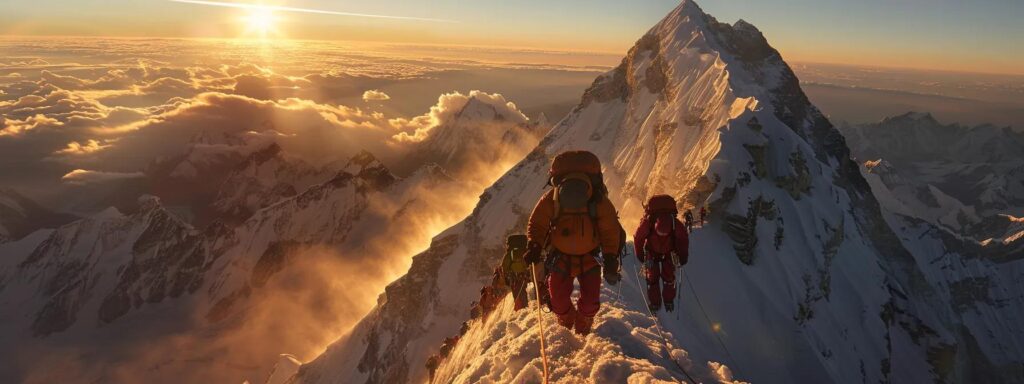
{"points": [[260, 22]]}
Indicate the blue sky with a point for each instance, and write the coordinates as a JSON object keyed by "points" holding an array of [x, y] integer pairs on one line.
{"points": [[983, 35]]}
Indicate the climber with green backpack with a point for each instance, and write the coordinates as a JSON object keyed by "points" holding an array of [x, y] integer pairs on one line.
{"points": [[578, 226], [513, 272]]}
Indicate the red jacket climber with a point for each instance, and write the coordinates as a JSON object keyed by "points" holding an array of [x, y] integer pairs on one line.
{"points": [[659, 235]]}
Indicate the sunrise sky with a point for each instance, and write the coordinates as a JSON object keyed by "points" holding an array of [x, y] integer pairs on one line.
{"points": [[980, 36]]}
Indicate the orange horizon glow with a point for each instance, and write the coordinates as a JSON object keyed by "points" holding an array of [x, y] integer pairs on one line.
{"points": [[278, 20]]}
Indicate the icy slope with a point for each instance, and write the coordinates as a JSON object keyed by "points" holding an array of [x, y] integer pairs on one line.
{"points": [[798, 268]]}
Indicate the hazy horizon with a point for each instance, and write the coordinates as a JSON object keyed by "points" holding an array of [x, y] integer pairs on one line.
{"points": [[939, 35]]}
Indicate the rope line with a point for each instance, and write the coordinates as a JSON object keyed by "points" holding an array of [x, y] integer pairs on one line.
{"points": [[732, 361], [657, 327], [540, 320]]}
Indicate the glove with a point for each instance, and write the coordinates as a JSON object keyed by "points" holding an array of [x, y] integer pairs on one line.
{"points": [[532, 253], [611, 269]]}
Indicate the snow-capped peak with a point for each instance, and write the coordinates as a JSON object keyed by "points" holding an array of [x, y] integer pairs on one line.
{"points": [[360, 162]]}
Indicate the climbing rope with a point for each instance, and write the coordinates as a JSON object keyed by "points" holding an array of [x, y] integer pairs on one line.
{"points": [[540, 320], [732, 361], [657, 327]]}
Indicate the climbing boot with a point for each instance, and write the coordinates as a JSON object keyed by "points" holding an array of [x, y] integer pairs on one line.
{"points": [[583, 324], [568, 319]]}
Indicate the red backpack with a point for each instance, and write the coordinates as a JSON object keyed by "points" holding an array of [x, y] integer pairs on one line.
{"points": [[663, 206]]}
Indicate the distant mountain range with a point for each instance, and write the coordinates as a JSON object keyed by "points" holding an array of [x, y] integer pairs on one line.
{"points": [[966, 180], [195, 257]]}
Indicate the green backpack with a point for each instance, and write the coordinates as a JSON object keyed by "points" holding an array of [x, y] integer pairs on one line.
{"points": [[513, 263]]}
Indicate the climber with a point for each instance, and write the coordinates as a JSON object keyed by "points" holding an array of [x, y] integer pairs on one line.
{"points": [[703, 215], [662, 245], [448, 345], [575, 223], [512, 272], [688, 216], [433, 362], [488, 300]]}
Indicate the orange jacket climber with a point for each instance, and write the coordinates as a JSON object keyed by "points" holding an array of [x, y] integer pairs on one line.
{"points": [[576, 222]]}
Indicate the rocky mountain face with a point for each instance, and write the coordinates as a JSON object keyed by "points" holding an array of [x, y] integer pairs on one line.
{"points": [[967, 180], [71, 285], [262, 179], [802, 275]]}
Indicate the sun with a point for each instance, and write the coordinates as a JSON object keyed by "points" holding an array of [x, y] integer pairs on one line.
{"points": [[260, 22]]}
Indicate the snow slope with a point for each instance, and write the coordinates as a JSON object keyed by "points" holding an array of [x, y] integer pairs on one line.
{"points": [[625, 346], [710, 113]]}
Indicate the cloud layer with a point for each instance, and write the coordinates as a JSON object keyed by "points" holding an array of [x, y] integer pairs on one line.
{"points": [[82, 177], [117, 117]]}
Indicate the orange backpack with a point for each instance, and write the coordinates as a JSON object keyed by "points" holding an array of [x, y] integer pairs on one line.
{"points": [[578, 187]]}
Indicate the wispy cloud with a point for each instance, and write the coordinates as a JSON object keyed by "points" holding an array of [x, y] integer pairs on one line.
{"points": [[83, 177], [279, 8]]}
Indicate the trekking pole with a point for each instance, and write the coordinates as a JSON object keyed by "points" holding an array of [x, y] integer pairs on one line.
{"points": [[540, 321]]}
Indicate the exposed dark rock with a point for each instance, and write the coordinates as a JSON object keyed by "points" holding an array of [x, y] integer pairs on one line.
{"points": [[799, 182], [967, 293], [274, 259], [757, 152]]}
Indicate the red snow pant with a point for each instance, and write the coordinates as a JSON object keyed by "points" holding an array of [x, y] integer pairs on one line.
{"points": [[582, 268], [661, 268]]}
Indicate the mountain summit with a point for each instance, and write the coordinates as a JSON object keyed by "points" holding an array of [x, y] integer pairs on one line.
{"points": [[798, 276]]}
